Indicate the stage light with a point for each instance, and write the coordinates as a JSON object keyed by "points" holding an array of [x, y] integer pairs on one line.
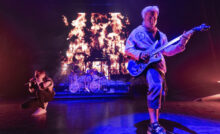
{"points": [[218, 81]]}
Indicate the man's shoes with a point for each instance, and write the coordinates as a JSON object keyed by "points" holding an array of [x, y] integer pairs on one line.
{"points": [[155, 128]]}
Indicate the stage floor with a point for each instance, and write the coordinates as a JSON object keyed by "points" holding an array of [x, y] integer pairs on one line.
{"points": [[108, 116]]}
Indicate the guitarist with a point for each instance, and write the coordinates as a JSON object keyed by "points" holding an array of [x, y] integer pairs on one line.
{"points": [[41, 86], [140, 40]]}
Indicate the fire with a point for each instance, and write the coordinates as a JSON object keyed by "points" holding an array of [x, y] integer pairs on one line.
{"points": [[65, 21], [99, 47]]}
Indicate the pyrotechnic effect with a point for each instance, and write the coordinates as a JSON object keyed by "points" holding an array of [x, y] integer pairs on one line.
{"points": [[97, 41]]}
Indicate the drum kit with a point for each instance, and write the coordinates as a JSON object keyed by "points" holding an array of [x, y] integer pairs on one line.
{"points": [[90, 82]]}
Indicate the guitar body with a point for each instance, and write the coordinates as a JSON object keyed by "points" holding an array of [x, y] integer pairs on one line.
{"points": [[136, 68]]}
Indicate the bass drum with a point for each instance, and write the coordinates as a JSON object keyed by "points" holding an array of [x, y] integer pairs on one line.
{"points": [[74, 87], [94, 86]]}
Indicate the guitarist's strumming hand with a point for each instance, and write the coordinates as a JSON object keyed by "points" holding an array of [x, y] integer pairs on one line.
{"points": [[184, 39], [144, 56]]}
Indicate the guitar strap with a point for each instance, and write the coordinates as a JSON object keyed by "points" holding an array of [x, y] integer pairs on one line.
{"points": [[157, 37]]}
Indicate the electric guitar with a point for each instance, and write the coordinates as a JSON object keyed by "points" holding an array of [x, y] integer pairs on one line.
{"points": [[136, 68]]}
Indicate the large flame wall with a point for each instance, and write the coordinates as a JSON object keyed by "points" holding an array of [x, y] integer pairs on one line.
{"points": [[97, 41]]}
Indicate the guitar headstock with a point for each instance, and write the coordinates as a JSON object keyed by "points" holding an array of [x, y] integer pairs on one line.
{"points": [[202, 27]]}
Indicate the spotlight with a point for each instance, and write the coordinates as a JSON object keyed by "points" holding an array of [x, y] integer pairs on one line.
{"points": [[218, 81]]}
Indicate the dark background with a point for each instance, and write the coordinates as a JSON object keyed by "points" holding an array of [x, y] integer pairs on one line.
{"points": [[33, 35]]}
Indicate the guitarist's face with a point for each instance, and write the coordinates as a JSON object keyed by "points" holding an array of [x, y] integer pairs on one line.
{"points": [[150, 20]]}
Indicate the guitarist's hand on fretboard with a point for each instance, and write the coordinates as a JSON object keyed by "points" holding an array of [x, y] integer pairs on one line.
{"points": [[185, 38]]}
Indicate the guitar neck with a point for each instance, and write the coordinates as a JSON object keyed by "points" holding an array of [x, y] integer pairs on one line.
{"points": [[171, 42]]}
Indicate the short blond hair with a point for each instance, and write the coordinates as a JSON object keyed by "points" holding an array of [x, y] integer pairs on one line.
{"points": [[149, 9]]}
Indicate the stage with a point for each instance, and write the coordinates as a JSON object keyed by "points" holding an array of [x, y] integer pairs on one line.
{"points": [[109, 116], [83, 50]]}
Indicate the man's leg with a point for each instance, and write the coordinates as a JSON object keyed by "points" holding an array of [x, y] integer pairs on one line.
{"points": [[42, 97], [155, 82], [45, 105], [34, 102], [154, 115]]}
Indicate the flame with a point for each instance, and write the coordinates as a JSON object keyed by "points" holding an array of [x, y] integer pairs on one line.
{"points": [[65, 20], [99, 47], [64, 67]]}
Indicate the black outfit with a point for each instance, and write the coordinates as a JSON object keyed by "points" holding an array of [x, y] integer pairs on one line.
{"points": [[40, 96]]}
